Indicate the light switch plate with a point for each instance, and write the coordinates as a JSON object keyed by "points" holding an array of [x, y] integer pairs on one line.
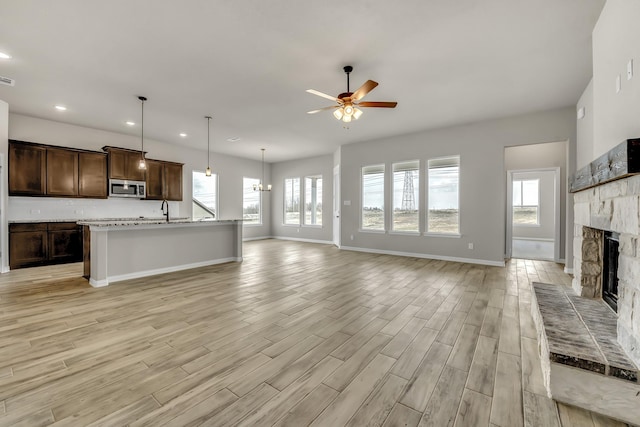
{"points": [[630, 69], [618, 84], [347, 202], [581, 113]]}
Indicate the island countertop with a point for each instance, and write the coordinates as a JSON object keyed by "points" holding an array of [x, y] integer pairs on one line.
{"points": [[145, 222]]}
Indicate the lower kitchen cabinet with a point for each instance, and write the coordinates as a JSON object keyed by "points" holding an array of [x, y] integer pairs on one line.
{"points": [[33, 244]]}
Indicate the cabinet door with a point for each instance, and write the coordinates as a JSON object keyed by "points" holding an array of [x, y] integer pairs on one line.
{"points": [[27, 170], [27, 248], [133, 171], [65, 245], [62, 172], [155, 186], [118, 164], [92, 175], [173, 181]]}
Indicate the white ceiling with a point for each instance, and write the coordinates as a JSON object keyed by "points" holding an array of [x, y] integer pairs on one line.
{"points": [[248, 63]]}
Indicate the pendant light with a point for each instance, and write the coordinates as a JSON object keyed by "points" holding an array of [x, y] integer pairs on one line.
{"points": [[260, 187], [208, 171], [142, 164]]}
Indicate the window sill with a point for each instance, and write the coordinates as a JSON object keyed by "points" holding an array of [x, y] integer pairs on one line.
{"points": [[405, 233], [364, 230], [252, 225], [311, 226], [526, 225], [445, 235], [291, 225]]}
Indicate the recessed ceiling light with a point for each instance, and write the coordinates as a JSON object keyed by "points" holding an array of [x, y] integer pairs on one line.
{"points": [[183, 134], [234, 139], [4, 55], [130, 123], [61, 107]]}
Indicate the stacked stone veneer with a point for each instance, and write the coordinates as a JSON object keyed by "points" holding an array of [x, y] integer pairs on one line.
{"points": [[614, 206]]}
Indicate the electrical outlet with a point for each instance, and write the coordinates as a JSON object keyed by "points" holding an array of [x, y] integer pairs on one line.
{"points": [[35, 211], [618, 84], [352, 237], [630, 69], [470, 245]]}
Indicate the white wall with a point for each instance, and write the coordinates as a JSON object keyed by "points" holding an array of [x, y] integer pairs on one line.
{"points": [[322, 165], [545, 229], [585, 153], [230, 172], [539, 156], [616, 39], [482, 181]]}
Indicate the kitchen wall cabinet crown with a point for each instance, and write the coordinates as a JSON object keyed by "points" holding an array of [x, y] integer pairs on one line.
{"points": [[47, 170]]}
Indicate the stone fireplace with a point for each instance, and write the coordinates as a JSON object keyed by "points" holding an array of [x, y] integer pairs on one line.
{"points": [[611, 209]]}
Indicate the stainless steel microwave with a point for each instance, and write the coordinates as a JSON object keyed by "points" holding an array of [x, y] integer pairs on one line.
{"points": [[126, 188]]}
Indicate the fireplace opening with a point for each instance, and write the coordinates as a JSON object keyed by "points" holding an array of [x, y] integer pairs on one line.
{"points": [[610, 269]]}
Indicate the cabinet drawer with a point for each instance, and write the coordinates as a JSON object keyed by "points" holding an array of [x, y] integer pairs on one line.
{"points": [[54, 226], [27, 226]]}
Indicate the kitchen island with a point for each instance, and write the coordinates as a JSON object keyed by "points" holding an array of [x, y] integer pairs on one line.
{"points": [[116, 250]]}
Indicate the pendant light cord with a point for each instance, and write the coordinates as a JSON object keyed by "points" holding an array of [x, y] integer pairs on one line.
{"points": [[142, 99], [263, 166], [208, 131]]}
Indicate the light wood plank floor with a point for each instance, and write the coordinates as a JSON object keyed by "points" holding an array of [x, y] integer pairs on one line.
{"points": [[298, 334]]}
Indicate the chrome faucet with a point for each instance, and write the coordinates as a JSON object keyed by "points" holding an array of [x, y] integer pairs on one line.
{"points": [[166, 214]]}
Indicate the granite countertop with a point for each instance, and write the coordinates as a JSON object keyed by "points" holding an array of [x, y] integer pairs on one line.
{"points": [[125, 222], [129, 219]]}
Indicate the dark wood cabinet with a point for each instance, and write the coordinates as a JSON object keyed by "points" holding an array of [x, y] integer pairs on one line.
{"points": [[123, 164], [164, 180], [41, 243], [173, 181], [62, 172], [27, 169], [27, 245], [155, 180], [65, 242], [92, 175], [46, 170]]}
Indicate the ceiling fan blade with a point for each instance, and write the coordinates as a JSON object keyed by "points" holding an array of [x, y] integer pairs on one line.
{"points": [[367, 87], [324, 95], [323, 109], [378, 104]]}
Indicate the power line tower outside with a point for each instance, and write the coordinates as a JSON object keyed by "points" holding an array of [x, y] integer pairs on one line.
{"points": [[408, 199]]}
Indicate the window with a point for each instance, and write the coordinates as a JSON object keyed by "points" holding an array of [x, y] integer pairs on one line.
{"points": [[251, 202], [405, 196], [204, 195], [313, 200], [525, 202], [292, 201], [373, 197], [443, 213]]}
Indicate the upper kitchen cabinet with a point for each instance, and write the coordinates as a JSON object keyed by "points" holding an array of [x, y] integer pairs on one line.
{"points": [[62, 172], [123, 164], [92, 175], [27, 169], [46, 170], [164, 180]]}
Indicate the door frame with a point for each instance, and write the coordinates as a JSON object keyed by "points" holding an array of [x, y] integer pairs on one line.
{"points": [[336, 205], [556, 214]]}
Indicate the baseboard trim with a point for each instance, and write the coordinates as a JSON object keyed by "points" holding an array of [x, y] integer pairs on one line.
{"points": [[249, 239], [139, 274], [426, 256]]}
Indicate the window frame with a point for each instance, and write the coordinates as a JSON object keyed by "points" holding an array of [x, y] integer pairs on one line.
{"points": [[252, 224], [521, 205], [284, 204], [304, 201], [384, 195], [458, 233]]}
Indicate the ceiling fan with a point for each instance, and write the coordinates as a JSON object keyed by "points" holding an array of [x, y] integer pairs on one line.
{"points": [[348, 102]]}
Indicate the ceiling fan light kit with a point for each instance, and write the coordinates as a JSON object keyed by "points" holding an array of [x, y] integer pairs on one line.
{"points": [[348, 102]]}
